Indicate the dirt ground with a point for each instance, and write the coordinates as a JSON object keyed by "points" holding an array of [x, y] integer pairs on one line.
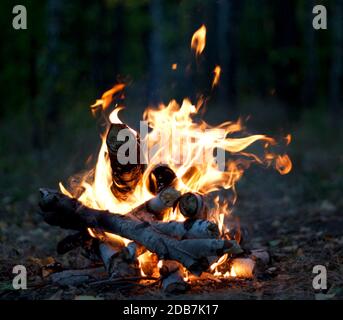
{"points": [[297, 217]]}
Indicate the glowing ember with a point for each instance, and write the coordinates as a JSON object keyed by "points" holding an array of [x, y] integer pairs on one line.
{"points": [[242, 268]]}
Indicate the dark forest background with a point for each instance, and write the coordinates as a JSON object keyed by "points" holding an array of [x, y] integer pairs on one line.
{"points": [[72, 51]]}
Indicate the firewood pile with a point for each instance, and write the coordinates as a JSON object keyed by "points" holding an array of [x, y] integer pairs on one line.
{"points": [[141, 244]]}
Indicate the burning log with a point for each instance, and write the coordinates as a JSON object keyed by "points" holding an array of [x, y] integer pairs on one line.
{"points": [[126, 176], [243, 267], [252, 265], [192, 205], [148, 263], [60, 210], [155, 207], [160, 177], [133, 250], [173, 277], [118, 261], [189, 229]]}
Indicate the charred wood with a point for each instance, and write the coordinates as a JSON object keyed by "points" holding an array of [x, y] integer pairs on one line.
{"points": [[160, 177], [192, 205], [125, 176]]}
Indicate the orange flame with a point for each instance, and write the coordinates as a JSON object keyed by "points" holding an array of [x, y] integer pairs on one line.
{"points": [[189, 148], [216, 71], [107, 97], [198, 42], [283, 164], [288, 139]]}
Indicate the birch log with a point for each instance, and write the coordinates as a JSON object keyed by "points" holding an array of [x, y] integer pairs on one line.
{"points": [[189, 229], [155, 207], [60, 210], [173, 277], [248, 267], [117, 263], [125, 176], [192, 205]]}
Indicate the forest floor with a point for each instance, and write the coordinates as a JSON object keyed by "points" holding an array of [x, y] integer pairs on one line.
{"points": [[297, 217]]}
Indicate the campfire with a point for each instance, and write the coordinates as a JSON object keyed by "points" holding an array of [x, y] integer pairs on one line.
{"points": [[158, 203]]}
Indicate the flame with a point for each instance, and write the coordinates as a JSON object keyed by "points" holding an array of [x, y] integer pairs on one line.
{"points": [[283, 164], [288, 139], [142, 259], [205, 159], [186, 145], [198, 42], [91, 232], [64, 190], [189, 148], [221, 260], [114, 115], [216, 71], [107, 97], [148, 264]]}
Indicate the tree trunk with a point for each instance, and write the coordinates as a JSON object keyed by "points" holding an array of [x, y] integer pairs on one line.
{"points": [[229, 12], [286, 36], [311, 73], [54, 20], [156, 52], [336, 64]]}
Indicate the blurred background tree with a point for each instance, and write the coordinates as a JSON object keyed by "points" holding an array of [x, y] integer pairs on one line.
{"points": [[79, 49], [275, 66]]}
